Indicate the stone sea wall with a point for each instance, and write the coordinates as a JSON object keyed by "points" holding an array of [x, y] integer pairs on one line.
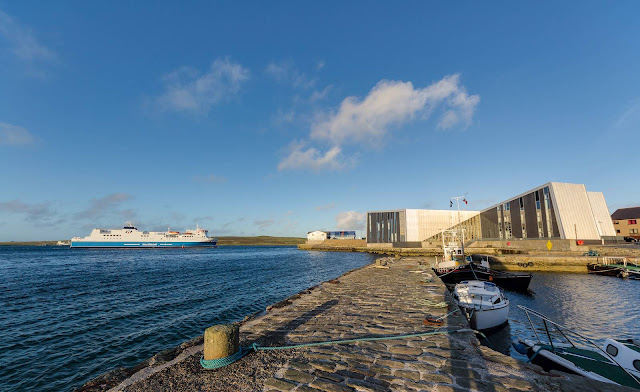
{"points": [[389, 299]]}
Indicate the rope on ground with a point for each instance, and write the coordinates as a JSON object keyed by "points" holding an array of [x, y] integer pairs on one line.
{"points": [[432, 304], [219, 363]]}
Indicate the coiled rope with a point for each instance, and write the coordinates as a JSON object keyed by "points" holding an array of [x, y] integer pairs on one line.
{"points": [[222, 362]]}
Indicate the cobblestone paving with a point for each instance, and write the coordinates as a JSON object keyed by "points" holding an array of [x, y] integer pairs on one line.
{"points": [[373, 302]]}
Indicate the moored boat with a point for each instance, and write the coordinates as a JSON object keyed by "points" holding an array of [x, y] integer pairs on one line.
{"points": [[616, 361], [483, 303], [615, 266]]}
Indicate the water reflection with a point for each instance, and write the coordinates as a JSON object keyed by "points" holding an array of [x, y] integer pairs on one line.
{"points": [[598, 307]]}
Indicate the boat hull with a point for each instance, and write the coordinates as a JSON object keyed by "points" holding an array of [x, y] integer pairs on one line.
{"points": [[506, 280], [487, 319], [143, 244]]}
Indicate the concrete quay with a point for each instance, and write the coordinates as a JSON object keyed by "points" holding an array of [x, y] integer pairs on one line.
{"points": [[374, 301]]}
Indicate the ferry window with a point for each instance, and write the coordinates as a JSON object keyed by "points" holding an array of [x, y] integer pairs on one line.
{"points": [[636, 364], [612, 350]]}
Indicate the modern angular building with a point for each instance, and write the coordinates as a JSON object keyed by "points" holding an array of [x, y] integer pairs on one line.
{"points": [[551, 211]]}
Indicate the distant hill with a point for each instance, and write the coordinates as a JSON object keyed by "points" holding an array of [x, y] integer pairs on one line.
{"points": [[222, 241]]}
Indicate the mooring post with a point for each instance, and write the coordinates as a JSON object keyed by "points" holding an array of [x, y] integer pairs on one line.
{"points": [[221, 341]]}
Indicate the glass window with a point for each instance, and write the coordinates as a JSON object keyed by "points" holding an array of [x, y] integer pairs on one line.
{"points": [[632, 221], [612, 350]]}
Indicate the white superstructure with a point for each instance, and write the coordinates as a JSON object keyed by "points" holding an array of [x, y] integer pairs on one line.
{"points": [[129, 237]]}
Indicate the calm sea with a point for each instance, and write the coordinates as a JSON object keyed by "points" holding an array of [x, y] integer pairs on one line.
{"points": [[597, 307], [69, 315]]}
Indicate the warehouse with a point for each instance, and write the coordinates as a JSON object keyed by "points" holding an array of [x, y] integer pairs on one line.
{"points": [[551, 211]]}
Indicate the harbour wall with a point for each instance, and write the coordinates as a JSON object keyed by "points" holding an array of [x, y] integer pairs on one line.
{"points": [[381, 311], [562, 257]]}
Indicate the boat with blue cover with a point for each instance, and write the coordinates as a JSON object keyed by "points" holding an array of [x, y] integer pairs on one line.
{"points": [[130, 237]]}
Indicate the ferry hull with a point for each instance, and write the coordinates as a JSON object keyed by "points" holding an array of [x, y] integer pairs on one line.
{"points": [[143, 244]]}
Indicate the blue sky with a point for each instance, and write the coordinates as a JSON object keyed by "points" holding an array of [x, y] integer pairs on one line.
{"points": [[279, 118]]}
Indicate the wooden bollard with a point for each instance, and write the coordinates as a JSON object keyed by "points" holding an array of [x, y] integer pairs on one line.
{"points": [[221, 341]]}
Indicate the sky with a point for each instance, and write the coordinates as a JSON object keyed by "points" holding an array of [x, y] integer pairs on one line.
{"points": [[279, 118]]}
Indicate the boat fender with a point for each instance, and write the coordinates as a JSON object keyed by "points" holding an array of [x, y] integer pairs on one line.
{"points": [[519, 347], [490, 278]]}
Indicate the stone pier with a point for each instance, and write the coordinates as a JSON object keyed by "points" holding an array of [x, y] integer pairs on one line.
{"points": [[377, 300]]}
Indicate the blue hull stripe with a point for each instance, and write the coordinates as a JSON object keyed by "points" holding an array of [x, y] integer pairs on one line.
{"points": [[138, 244]]}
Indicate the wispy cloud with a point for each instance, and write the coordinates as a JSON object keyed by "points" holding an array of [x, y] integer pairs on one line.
{"points": [[367, 121], [209, 179], [287, 72], [630, 116], [324, 207], [263, 223], [351, 220], [33, 212], [25, 47], [189, 90], [106, 205], [13, 135]]}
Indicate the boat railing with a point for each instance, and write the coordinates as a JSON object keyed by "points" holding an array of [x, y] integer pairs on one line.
{"points": [[564, 331], [614, 260]]}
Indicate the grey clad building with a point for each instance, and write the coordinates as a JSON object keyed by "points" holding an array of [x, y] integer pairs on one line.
{"points": [[551, 211]]}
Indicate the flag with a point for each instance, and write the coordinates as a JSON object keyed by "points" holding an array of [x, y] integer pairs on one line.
{"points": [[465, 201], [450, 204]]}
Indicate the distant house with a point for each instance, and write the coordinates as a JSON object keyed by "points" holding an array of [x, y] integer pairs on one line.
{"points": [[625, 221], [316, 235]]}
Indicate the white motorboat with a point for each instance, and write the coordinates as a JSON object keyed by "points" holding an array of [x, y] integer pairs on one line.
{"points": [[484, 304]]}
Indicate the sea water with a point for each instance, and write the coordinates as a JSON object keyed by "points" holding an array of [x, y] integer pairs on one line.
{"points": [[69, 315]]}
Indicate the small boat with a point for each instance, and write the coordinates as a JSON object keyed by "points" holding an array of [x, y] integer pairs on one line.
{"points": [[483, 303], [470, 270], [615, 362], [615, 266]]}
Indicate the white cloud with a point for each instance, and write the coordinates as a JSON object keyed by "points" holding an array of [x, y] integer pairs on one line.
{"points": [[367, 121], [24, 46], [301, 157], [393, 103], [188, 90], [287, 72], [351, 220], [13, 135]]}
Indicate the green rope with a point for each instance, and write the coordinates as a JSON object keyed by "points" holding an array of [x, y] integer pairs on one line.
{"points": [[432, 304], [218, 363], [222, 362]]}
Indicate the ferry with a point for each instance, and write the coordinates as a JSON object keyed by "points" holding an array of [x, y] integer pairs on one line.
{"points": [[130, 237]]}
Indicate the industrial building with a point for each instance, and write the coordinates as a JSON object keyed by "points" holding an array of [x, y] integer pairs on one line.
{"points": [[625, 222], [551, 211]]}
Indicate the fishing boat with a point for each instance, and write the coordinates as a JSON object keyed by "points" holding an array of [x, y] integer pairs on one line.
{"points": [[615, 266], [483, 303], [455, 267], [615, 362]]}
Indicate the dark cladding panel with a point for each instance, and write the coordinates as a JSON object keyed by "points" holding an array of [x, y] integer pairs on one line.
{"points": [[543, 206], [516, 224], [530, 215], [489, 223]]}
